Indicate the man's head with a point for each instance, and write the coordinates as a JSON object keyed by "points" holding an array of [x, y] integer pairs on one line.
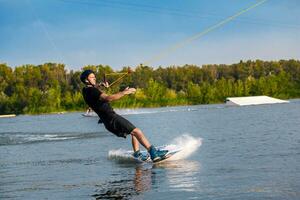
{"points": [[88, 77]]}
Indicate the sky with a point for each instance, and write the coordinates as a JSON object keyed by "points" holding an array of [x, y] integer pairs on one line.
{"points": [[122, 33]]}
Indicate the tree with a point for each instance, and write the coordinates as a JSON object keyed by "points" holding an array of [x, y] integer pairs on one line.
{"points": [[194, 93]]}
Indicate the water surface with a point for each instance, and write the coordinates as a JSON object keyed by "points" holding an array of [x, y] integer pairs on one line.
{"points": [[250, 152]]}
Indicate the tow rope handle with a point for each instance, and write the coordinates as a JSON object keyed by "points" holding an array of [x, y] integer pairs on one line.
{"points": [[129, 71]]}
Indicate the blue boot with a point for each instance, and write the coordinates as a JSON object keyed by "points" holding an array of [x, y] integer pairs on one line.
{"points": [[138, 155], [157, 155]]}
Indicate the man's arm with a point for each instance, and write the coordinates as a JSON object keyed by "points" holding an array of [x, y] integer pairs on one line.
{"points": [[118, 95]]}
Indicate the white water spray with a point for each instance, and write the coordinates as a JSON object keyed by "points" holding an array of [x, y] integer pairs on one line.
{"points": [[186, 143]]}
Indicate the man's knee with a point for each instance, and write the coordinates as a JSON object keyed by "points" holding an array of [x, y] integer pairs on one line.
{"points": [[136, 132]]}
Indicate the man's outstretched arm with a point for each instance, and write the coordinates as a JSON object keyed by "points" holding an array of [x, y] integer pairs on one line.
{"points": [[118, 95]]}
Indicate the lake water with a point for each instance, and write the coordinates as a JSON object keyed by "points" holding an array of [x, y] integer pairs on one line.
{"points": [[250, 152]]}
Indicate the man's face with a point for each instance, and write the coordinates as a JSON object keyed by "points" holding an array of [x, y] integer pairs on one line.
{"points": [[92, 79]]}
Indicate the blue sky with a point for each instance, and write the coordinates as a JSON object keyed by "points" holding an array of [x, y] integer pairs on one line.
{"points": [[129, 32]]}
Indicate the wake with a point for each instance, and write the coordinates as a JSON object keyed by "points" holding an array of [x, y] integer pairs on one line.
{"points": [[186, 143]]}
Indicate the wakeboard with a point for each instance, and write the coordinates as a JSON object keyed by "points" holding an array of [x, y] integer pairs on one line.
{"points": [[171, 152]]}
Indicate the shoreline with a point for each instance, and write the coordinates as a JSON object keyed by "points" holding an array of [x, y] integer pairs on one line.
{"points": [[115, 108]]}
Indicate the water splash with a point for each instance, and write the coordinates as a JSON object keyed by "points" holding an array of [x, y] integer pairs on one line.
{"points": [[121, 155], [186, 144]]}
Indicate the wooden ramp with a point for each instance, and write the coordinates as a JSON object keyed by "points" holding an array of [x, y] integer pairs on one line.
{"points": [[253, 100]]}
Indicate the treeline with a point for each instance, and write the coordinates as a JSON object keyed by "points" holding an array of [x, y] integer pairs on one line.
{"points": [[51, 88]]}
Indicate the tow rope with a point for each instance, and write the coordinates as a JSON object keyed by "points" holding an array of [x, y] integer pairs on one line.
{"points": [[178, 45], [123, 74]]}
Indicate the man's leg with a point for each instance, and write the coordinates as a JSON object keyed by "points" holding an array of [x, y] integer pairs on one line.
{"points": [[156, 155], [135, 143], [140, 137]]}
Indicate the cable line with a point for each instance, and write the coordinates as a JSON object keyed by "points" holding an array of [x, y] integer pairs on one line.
{"points": [[196, 14], [173, 48]]}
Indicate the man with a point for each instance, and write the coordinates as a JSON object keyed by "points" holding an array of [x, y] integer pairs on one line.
{"points": [[99, 102]]}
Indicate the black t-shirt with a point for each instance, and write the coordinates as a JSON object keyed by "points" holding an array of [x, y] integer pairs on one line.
{"points": [[91, 96]]}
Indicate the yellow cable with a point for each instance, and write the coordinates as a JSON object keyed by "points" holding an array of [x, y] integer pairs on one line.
{"points": [[164, 53], [119, 79], [116, 73]]}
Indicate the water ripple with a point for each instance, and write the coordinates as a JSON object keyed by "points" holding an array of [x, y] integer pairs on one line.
{"points": [[28, 138]]}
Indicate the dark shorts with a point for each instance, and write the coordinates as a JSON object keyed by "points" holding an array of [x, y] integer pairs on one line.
{"points": [[120, 126]]}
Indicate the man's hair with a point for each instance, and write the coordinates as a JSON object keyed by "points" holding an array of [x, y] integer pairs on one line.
{"points": [[84, 75]]}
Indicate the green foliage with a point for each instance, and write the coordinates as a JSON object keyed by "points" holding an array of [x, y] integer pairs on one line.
{"points": [[194, 93], [50, 87]]}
